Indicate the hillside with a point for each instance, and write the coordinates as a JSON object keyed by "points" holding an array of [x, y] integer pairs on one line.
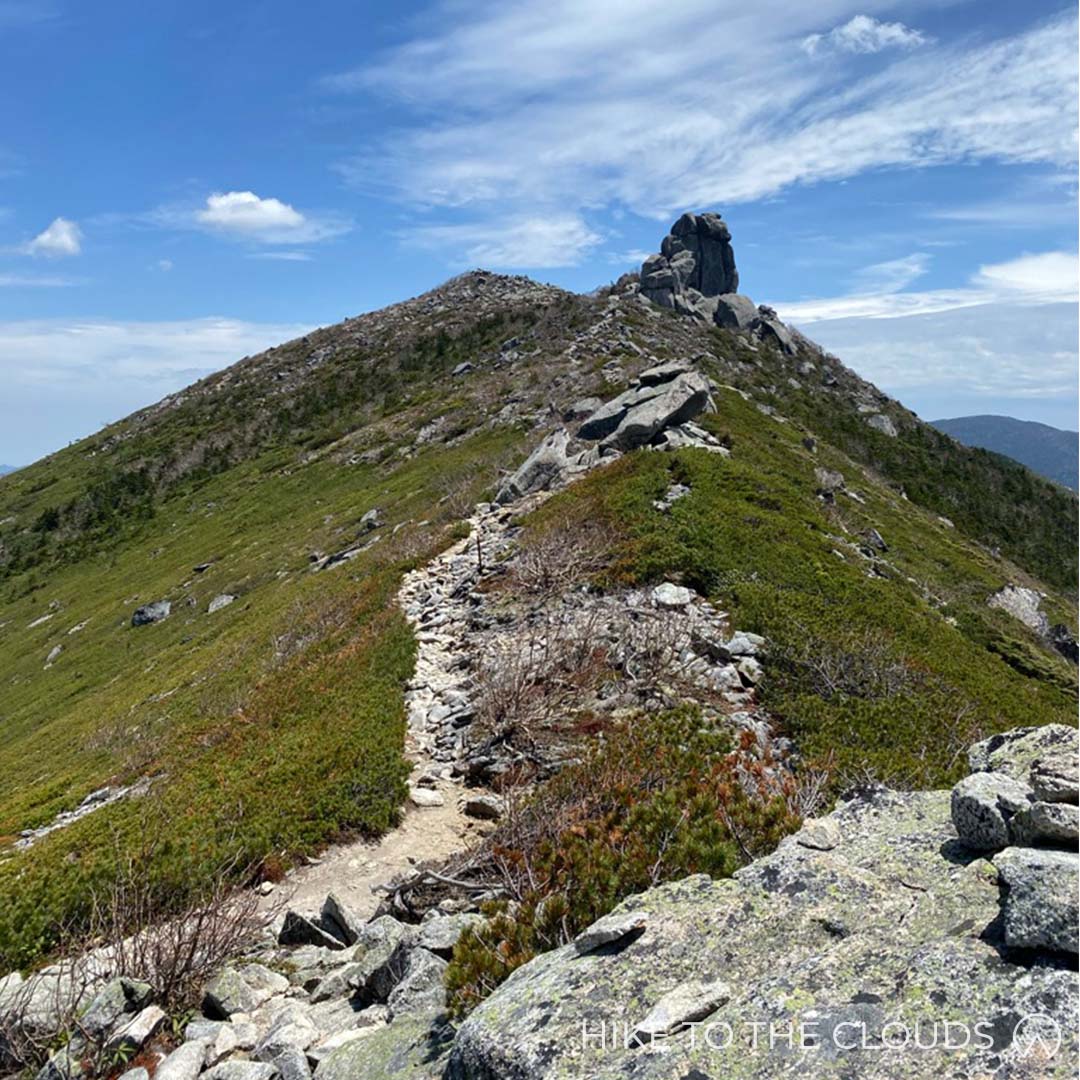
{"points": [[1047, 450], [275, 506]]}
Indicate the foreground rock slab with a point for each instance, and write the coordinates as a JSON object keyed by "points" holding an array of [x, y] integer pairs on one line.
{"points": [[897, 923]]}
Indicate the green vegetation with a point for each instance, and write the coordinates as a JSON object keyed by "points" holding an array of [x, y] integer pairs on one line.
{"points": [[892, 665], [660, 797], [992, 498], [272, 726], [880, 667]]}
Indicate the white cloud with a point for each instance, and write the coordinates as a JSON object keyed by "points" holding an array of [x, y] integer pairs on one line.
{"points": [[282, 256], [499, 243], [1030, 280], [575, 105], [1042, 278], [973, 359], [35, 281], [60, 239], [243, 216], [245, 213], [164, 265], [893, 275], [864, 34]]}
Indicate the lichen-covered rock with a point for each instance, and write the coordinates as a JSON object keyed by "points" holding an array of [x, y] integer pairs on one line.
{"points": [[1041, 898], [1015, 752], [414, 1046], [421, 987], [1046, 823], [983, 804], [895, 925], [686, 1004], [243, 990], [117, 998], [1056, 778], [440, 934]]}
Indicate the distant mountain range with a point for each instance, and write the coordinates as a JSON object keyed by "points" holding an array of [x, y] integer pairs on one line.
{"points": [[1049, 451], [6, 469]]}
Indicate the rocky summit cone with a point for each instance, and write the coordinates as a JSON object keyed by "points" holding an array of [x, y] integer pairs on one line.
{"points": [[517, 683]]}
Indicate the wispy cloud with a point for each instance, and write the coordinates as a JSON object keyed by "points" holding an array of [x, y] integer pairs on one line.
{"points": [[501, 243], [62, 238], [893, 275], [863, 34], [282, 256], [572, 106], [95, 371], [166, 355], [36, 281], [1027, 281]]}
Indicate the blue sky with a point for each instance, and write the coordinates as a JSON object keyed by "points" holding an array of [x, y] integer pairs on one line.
{"points": [[182, 184]]}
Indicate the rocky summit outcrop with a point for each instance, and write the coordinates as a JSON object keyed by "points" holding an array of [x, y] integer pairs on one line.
{"points": [[695, 274], [872, 943]]}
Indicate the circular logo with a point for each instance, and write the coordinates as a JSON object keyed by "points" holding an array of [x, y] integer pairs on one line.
{"points": [[1036, 1035]]}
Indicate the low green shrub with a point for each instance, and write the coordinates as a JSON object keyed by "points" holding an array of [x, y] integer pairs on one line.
{"points": [[660, 797]]}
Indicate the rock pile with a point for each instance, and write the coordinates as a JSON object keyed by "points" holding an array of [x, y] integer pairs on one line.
{"points": [[287, 1010], [656, 411], [1020, 806]]}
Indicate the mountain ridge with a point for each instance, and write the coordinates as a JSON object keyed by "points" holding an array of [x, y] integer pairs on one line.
{"points": [[1046, 450], [375, 438]]}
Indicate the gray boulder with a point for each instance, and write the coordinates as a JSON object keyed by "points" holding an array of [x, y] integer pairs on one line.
{"points": [[696, 263], [1046, 823], [1015, 752], [1040, 908], [298, 929], [340, 920], [679, 401], [184, 1063], [242, 1070], [543, 468], [219, 602], [421, 988], [131, 1036], [415, 1047], [117, 998], [686, 1004], [735, 311], [884, 424], [983, 804], [151, 613], [243, 990], [1056, 779], [440, 934]]}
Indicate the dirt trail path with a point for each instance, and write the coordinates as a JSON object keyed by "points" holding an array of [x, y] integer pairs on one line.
{"points": [[436, 600]]}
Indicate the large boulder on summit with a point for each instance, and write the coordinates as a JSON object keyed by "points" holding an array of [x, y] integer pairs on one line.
{"points": [[696, 261]]}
